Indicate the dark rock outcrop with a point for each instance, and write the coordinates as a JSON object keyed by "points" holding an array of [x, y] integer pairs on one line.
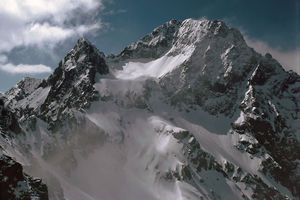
{"points": [[16, 185]]}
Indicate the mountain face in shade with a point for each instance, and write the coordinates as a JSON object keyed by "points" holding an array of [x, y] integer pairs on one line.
{"points": [[14, 183], [72, 82], [187, 112]]}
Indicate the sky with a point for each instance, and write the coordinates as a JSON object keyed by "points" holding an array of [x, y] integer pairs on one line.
{"points": [[36, 34]]}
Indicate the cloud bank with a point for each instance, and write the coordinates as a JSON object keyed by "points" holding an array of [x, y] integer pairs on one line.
{"points": [[25, 69], [290, 60], [43, 23]]}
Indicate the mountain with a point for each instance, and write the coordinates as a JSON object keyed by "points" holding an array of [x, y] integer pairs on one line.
{"points": [[187, 112], [14, 183]]}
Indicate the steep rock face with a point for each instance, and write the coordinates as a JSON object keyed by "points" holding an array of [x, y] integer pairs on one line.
{"points": [[212, 61], [154, 44], [8, 121], [72, 82], [25, 97], [23, 89], [69, 87], [213, 75], [200, 162], [16, 185], [270, 114]]}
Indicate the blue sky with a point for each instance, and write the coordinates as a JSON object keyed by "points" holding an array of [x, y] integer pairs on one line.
{"points": [[273, 22], [33, 42]]}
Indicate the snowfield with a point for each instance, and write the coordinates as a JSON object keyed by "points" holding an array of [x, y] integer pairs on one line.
{"points": [[156, 68]]}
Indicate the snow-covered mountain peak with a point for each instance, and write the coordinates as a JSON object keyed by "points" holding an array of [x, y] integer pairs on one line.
{"points": [[179, 35], [24, 94], [153, 45], [84, 54], [189, 108], [173, 45], [193, 31], [211, 44], [82, 63], [74, 79], [23, 88]]}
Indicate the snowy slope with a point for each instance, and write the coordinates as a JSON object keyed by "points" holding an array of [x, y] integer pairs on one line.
{"points": [[14, 182], [187, 112]]}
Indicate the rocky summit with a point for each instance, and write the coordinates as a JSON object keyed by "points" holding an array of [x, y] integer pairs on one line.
{"points": [[189, 111]]}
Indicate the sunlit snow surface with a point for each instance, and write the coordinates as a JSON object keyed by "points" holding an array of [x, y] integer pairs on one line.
{"points": [[156, 68], [127, 167]]}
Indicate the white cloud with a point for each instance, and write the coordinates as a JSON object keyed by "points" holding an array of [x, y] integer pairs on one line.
{"points": [[25, 69], [41, 23], [31, 22], [290, 60], [38, 33], [3, 59]]}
